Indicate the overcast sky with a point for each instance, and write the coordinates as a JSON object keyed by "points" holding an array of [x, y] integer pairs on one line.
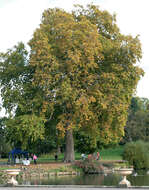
{"points": [[19, 19]]}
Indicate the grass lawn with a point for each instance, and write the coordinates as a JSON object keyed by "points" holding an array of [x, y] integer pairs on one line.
{"points": [[106, 154], [112, 153], [47, 161]]}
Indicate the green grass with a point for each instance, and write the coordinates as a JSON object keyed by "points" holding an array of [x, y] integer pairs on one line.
{"points": [[45, 158], [106, 154], [112, 153]]}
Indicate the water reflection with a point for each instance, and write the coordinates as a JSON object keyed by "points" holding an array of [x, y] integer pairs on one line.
{"points": [[141, 179], [108, 180]]}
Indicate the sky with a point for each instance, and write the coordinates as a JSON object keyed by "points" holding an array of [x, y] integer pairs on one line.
{"points": [[20, 18]]}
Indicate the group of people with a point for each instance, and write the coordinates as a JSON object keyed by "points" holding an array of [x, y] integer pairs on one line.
{"points": [[90, 156], [83, 156], [26, 161]]}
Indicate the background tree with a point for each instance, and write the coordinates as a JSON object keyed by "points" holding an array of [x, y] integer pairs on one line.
{"points": [[83, 143], [20, 99], [137, 126], [5, 146], [86, 67]]}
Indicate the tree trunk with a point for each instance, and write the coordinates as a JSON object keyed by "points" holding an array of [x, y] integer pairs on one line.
{"points": [[69, 149]]}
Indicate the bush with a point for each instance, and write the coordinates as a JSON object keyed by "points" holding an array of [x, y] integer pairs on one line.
{"points": [[136, 153], [89, 166]]}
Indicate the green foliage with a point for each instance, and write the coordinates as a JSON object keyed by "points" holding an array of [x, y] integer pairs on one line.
{"points": [[137, 154], [19, 98], [25, 127], [14, 74], [86, 67], [137, 126], [42, 146], [84, 143], [5, 146], [81, 73]]}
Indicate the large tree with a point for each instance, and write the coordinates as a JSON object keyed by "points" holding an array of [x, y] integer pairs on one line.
{"points": [[86, 67]]}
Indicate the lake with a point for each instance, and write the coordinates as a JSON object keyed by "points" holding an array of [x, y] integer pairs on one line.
{"points": [[142, 179]]}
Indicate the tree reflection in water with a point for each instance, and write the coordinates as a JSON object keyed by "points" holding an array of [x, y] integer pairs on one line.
{"points": [[106, 180]]}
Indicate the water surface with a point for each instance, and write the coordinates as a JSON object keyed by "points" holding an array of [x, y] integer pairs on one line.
{"points": [[107, 180]]}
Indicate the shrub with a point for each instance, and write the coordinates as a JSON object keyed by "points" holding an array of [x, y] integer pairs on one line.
{"points": [[136, 153], [90, 166]]}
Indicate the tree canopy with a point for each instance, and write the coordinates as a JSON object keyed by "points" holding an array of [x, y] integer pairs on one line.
{"points": [[87, 67], [84, 75]]}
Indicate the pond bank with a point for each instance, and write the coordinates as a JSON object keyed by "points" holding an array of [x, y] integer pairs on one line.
{"points": [[54, 169], [41, 170]]}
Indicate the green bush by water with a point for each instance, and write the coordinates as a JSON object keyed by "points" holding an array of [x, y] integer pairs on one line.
{"points": [[137, 154]]}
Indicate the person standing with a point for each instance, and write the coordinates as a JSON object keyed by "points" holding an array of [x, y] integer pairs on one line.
{"points": [[56, 157], [35, 159], [98, 156]]}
